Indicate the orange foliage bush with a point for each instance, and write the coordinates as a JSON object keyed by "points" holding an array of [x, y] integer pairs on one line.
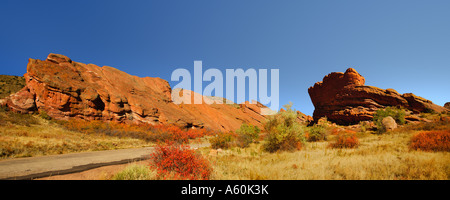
{"points": [[180, 162], [431, 141], [223, 140], [345, 139], [197, 133], [147, 132], [335, 131]]}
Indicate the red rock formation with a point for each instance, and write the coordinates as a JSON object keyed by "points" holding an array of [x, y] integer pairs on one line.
{"points": [[22, 101], [344, 99], [67, 89], [303, 117]]}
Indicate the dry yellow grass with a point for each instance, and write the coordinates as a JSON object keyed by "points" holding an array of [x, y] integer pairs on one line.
{"points": [[379, 157], [44, 137]]}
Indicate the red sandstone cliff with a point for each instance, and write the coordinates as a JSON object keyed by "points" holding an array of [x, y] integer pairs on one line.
{"points": [[67, 89]]}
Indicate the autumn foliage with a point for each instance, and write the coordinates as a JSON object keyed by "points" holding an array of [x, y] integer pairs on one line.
{"points": [[223, 140], [147, 132], [180, 162], [438, 140], [172, 159], [345, 139]]}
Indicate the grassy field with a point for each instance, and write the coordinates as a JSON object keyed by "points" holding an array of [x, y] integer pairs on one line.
{"points": [[387, 156], [379, 157], [30, 135]]}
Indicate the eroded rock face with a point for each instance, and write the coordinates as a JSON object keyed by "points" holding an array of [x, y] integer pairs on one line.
{"points": [[344, 99], [67, 89], [22, 101]]}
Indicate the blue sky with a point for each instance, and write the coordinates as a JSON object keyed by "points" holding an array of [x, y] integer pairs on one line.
{"points": [[397, 44]]}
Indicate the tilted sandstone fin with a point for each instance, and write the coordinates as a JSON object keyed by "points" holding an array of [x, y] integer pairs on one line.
{"points": [[67, 89]]}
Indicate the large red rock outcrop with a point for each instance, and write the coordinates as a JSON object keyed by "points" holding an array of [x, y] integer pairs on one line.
{"points": [[67, 89], [447, 105], [344, 99]]}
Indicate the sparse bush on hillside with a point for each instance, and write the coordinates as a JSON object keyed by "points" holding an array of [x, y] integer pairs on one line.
{"points": [[284, 132], [396, 113], [429, 110], [16, 118], [10, 85], [431, 141]]}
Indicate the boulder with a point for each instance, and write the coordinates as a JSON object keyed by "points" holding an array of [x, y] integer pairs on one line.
{"points": [[22, 101], [389, 123]]}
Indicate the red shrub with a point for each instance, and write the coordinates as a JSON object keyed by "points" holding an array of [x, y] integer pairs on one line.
{"points": [[197, 133], [148, 132], [431, 141], [181, 161], [345, 139], [172, 133]]}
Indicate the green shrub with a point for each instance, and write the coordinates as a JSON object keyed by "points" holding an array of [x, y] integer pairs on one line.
{"points": [[222, 140], [318, 133], [44, 115], [246, 135], [284, 132], [396, 113], [364, 126]]}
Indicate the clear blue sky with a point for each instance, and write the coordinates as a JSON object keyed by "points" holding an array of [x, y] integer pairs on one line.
{"points": [[403, 45]]}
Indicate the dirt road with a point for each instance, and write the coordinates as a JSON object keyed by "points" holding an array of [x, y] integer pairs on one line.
{"points": [[44, 166]]}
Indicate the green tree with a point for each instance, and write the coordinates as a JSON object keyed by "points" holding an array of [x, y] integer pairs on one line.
{"points": [[284, 132], [396, 113]]}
